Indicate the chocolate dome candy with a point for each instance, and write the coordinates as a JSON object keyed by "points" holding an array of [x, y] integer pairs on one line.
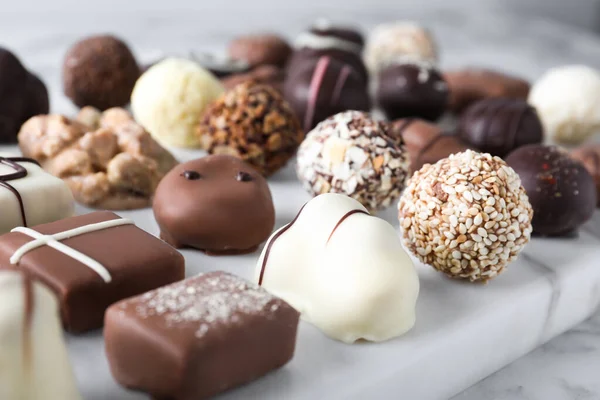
{"points": [[100, 71], [412, 90], [22, 96], [560, 189], [322, 87], [260, 49], [254, 123], [590, 157], [352, 154], [466, 215], [217, 204], [500, 125], [426, 143]]}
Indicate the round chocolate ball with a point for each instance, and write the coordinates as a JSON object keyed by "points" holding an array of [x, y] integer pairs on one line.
{"points": [[426, 143], [500, 125], [260, 49], [352, 154], [100, 71], [589, 155], [217, 204], [322, 87], [412, 90], [560, 189], [254, 123], [22, 95], [468, 225]]}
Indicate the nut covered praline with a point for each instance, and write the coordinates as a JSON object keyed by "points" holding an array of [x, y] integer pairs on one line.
{"points": [[254, 123], [217, 204], [466, 215], [352, 154]]}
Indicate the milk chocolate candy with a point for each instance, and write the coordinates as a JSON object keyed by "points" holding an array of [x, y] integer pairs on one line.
{"points": [[90, 262], [199, 337]]}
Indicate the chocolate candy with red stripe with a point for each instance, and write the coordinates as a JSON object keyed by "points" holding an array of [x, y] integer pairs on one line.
{"points": [[322, 87], [500, 125]]}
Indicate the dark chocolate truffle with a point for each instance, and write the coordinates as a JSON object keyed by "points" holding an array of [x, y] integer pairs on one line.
{"points": [[472, 84], [412, 90], [322, 87], [589, 155], [252, 122], [500, 125], [100, 71], [22, 95], [560, 189], [262, 49], [426, 143], [217, 204]]}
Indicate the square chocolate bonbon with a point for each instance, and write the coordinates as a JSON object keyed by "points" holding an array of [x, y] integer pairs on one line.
{"points": [[91, 261], [198, 337]]}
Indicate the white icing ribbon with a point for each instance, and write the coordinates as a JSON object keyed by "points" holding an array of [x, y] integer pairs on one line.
{"points": [[54, 242], [314, 41]]}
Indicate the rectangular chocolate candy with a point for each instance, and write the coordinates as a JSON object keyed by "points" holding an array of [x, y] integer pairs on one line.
{"points": [[91, 261], [198, 337]]}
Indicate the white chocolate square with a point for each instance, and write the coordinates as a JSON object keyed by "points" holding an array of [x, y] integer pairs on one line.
{"points": [[46, 198]]}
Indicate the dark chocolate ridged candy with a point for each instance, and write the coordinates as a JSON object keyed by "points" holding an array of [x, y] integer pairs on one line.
{"points": [[500, 125], [426, 143], [589, 155], [323, 87], [22, 95], [412, 90], [560, 189]]}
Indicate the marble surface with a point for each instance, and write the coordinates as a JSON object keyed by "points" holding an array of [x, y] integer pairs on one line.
{"points": [[565, 367]]}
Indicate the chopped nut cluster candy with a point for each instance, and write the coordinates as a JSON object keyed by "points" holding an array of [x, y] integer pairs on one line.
{"points": [[352, 154], [466, 215], [254, 123], [108, 160]]}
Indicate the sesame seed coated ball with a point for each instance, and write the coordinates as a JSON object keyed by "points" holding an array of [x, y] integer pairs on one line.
{"points": [[466, 215], [352, 154]]}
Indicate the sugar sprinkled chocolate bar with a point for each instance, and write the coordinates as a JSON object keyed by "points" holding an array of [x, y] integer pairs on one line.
{"points": [[198, 337], [91, 261]]}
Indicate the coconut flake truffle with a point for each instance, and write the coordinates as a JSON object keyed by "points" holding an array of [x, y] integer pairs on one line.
{"points": [[352, 154], [466, 215], [252, 122], [567, 100], [399, 40]]}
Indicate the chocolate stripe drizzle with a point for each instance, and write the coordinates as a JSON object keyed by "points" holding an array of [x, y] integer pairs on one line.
{"points": [[315, 87], [287, 227], [20, 172]]}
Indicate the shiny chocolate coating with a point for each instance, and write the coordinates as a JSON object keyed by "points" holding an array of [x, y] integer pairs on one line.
{"points": [[217, 204], [500, 125], [560, 189], [260, 49]]}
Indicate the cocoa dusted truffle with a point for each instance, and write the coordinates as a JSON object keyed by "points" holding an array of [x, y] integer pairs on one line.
{"points": [[322, 87], [500, 125], [473, 84], [218, 204], [590, 157], [22, 96], [100, 71], [412, 90], [352, 154], [260, 49], [254, 123], [561, 190], [466, 215], [426, 143]]}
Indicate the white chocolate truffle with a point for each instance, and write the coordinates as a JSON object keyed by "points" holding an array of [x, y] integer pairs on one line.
{"points": [[352, 154], [403, 40], [567, 100], [466, 215], [34, 363], [169, 99], [344, 270], [45, 198]]}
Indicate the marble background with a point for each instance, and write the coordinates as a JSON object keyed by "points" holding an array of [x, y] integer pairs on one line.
{"points": [[524, 37]]}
